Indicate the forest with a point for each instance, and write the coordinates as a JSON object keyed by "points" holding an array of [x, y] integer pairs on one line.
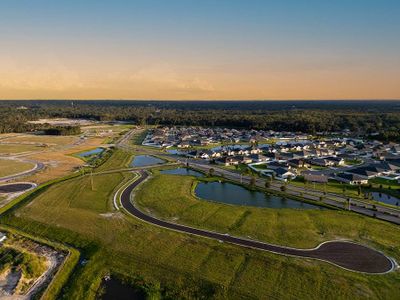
{"points": [[381, 118]]}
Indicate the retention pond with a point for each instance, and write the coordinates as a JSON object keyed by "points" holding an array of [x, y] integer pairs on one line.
{"points": [[145, 160], [237, 195]]}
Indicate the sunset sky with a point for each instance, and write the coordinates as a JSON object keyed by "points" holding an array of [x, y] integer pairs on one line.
{"points": [[204, 49]]}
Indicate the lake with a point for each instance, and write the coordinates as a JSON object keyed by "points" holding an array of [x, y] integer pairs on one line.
{"points": [[385, 198], [237, 195], [182, 171], [91, 152], [145, 160]]}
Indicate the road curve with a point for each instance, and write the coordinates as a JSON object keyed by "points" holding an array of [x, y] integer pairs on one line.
{"points": [[348, 255], [38, 167]]}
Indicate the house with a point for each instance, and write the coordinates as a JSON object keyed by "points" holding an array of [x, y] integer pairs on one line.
{"points": [[320, 162], [317, 177], [335, 161], [374, 170], [258, 158], [253, 150], [279, 173], [352, 179], [243, 159], [296, 163], [227, 161], [183, 144]]}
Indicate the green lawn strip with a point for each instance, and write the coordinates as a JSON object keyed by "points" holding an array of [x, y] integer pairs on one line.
{"points": [[119, 159], [64, 270], [385, 182], [347, 190]]}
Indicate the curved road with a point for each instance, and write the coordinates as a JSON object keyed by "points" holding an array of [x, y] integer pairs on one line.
{"points": [[344, 254], [38, 167]]}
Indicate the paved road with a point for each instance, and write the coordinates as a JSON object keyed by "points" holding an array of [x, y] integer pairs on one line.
{"points": [[345, 254]]}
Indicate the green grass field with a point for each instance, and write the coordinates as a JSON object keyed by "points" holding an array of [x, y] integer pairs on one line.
{"points": [[120, 159], [10, 167], [181, 266]]}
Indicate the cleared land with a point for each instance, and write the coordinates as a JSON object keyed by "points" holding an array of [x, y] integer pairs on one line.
{"points": [[18, 148], [186, 266], [10, 167], [42, 139]]}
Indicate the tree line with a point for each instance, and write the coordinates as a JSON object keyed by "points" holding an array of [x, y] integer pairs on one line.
{"points": [[379, 117]]}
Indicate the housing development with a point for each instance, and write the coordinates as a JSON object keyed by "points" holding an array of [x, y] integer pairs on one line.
{"points": [[285, 155]]}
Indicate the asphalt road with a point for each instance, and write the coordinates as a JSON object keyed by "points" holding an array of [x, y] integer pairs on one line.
{"points": [[348, 255]]}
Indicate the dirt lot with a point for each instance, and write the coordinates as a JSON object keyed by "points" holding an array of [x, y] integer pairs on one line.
{"points": [[60, 162]]}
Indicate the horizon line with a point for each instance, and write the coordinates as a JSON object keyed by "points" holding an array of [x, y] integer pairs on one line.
{"points": [[204, 100]]}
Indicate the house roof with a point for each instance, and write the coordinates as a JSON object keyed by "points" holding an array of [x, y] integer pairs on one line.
{"points": [[281, 171], [350, 177]]}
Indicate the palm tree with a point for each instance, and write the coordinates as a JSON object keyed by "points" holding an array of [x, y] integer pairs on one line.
{"points": [[211, 172], [252, 181]]}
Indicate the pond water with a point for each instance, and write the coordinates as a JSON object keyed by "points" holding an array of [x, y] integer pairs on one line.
{"points": [[116, 290], [385, 198], [182, 171], [91, 152], [145, 160], [235, 194], [173, 151]]}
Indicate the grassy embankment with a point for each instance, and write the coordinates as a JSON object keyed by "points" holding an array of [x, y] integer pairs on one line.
{"points": [[348, 190], [10, 167], [180, 266]]}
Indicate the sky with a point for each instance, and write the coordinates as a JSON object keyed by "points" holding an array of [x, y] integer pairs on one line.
{"points": [[203, 49]]}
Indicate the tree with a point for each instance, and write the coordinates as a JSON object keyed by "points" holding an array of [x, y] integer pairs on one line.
{"points": [[283, 188], [267, 184], [252, 181], [211, 172]]}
